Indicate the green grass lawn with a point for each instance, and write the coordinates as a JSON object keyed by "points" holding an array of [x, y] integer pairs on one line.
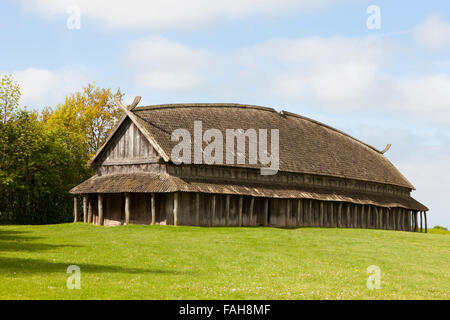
{"points": [[165, 262]]}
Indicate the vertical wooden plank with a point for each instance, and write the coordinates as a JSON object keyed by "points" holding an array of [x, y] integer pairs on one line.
{"points": [[348, 216], [175, 208], [369, 220], [227, 209], [252, 203], [100, 209], [299, 212], [332, 217], [127, 208], [355, 216], [425, 216], [377, 218], [85, 210], [212, 216], [288, 212], [153, 207], [75, 208], [339, 220], [310, 213], [420, 216], [241, 199], [197, 209], [90, 209], [266, 212], [363, 217], [321, 214]]}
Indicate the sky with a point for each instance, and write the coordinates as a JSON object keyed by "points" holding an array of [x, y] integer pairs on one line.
{"points": [[378, 70]]}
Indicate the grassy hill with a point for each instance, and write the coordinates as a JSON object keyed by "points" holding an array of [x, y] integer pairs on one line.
{"points": [[164, 262]]}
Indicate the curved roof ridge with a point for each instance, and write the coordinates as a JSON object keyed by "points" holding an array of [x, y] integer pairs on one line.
{"points": [[331, 128], [204, 105]]}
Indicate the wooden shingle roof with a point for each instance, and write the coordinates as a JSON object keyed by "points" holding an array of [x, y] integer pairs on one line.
{"points": [[305, 145]]}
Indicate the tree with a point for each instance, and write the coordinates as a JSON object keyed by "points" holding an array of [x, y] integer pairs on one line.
{"points": [[9, 97], [88, 116]]}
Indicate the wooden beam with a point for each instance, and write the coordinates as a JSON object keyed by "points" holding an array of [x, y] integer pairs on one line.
{"points": [[197, 209], [127, 208], [425, 216], [85, 209], [153, 207], [241, 198], [75, 208], [369, 220], [299, 212], [363, 217], [377, 218], [332, 217], [288, 212], [355, 217], [321, 214], [90, 210], [227, 209], [266, 212], [348, 216], [310, 213], [100, 209], [339, 220], [135, 103], [252, 203], [421, 224], [175, 208]]}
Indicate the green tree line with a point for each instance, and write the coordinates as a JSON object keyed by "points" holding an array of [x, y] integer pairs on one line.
{"points": [[43, 154]]}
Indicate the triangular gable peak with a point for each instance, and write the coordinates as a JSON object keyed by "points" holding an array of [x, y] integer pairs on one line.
{"points": [[128, 142]]}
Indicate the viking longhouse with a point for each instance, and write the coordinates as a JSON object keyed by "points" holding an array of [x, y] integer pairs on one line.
{"points": [[325, 177]]}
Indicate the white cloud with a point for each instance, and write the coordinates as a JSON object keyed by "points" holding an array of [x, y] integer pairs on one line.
{"points": [[433, 33], [158, 63], [41, 87], [168, 13]]}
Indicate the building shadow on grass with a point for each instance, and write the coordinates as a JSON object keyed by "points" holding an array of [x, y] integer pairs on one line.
{"points": [[22, 267]]}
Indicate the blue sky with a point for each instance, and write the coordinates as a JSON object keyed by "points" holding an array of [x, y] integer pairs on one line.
{"points": [[316, 58]]}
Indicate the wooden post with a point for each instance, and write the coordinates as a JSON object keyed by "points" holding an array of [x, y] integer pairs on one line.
{"points": [[197, 209], [266, 212], [377, 218], [127, 208], [153, 208], [212, 223], [348, 216], [90, 210], [339, 221], [100, 209], [416, 222], [363, 217], [425, 216], [299, 211], [288, 212], [227, 209], [332, 218], [310, 213], [75, 208], [369, 221], [388, 218], [321, 214], [85, 209], [240, 210], [175, 208], [355, 217], [252, 203], [420, 216]]}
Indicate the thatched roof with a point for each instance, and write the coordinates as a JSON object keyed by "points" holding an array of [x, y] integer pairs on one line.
{"points": [[151, 182], [306, 146]]}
